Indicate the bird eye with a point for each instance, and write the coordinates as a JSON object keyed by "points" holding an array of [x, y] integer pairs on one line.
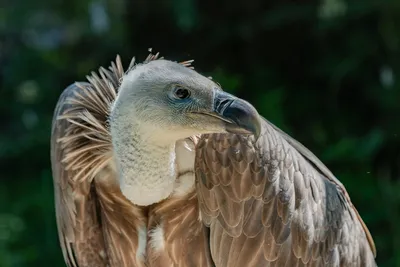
{"points": [[181, 93]]}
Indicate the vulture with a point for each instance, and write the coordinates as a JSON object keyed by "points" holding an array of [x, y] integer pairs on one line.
{"points": [[157, 166]]}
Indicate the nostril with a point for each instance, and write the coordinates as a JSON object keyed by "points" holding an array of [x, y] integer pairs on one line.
{"points": [[222, 104]]}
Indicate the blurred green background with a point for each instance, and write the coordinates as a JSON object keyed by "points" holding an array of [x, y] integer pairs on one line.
{"points": [[324, 71]]}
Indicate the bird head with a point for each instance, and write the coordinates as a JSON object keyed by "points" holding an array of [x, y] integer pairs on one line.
{"points": [[170, 101]]}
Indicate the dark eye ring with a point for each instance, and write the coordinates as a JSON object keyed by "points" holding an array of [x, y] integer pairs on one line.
{"points": [[182, 93]]}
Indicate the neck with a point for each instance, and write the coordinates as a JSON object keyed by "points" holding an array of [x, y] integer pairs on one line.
{"points": [[146, 169]]}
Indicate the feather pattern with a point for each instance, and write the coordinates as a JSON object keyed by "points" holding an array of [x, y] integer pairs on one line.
{"points": [[183, 233], [271, 202]]}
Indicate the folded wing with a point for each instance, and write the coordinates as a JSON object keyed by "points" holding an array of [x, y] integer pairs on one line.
{"points": [[271, 202]]}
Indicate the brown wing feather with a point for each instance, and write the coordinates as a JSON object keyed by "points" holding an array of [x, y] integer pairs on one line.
{"points": [[182, 231], [79, 230], [97, 225], [271, 202]]}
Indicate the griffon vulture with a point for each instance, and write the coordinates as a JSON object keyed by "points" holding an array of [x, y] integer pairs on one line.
{"points": [[157, 166]]}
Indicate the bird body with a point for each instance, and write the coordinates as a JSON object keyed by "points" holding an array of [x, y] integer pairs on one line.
{"points": [[157, 166]]}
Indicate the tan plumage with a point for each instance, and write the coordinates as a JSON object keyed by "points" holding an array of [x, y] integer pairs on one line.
{"points": [[264, 202]]}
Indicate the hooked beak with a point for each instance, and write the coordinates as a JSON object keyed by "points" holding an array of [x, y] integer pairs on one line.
{"points": [[239, 116]]}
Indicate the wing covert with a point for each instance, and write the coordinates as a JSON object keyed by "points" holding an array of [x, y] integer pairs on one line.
{"points": [[271, 202]]}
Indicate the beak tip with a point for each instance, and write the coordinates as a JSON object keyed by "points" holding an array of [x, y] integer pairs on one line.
{"points": [[255, 127], [241, 116], [245, 119], [257, 131]]}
